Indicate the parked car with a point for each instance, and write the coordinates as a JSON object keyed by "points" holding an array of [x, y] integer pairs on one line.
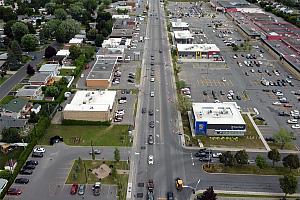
{"points": [[170, 196], [151, 124], [39, 150], [22, 180], [150, 139], [37, 155], [26, 171], [96, 188], [29, 167], [296, 126], [81, 190], [96, 151], [32, 162], [13, 191], [74, 188], [56, 139]]}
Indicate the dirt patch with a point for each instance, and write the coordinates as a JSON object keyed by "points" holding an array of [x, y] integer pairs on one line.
{"points": [[102, 171]]}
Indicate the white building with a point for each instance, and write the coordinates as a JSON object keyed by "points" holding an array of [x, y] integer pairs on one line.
{"points": [[116, 43], [219, 119], [183, 37], [179, 25], [120, 16], [76, 41], [53, 69], [63, 52], [1, 2], [198, 51], [91, 106]]}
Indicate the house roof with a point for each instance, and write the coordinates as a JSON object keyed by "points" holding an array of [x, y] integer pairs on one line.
{"points": [[15, 105], [10, 122], [36, 106], [49, 67], [3, 183], [28, 91], [40, 77]]}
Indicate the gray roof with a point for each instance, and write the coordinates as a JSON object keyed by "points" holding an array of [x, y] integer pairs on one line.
{"points": [[9, 122], [27, 91], [117, 33], [102, 69], [39, 77], [15, 105], [35, 106], [49, 67], [3, 183]]}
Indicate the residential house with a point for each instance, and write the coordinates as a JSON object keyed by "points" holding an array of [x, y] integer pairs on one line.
{"points": [[31, 92], [10, 122], [3, 183], [16, 108], [52, 68], [41, 79]]}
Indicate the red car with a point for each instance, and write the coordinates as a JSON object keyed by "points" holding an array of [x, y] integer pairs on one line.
{"points": [[74, 188], [14, 191]]}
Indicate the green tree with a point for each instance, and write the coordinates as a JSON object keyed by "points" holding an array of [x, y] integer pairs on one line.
{"points": [[260, 162], [31, 28], [90, 5], [282, 137], [76, 11], [209, 194], [184, 104], [52, 91], [274, 155], [117, 155], [91, 34], [34, 118], [291, 161], [30, 70], [66, 30], [29, 42], [106, 2], [288, 184], [14, 55], [227, 159], [241, 157], [235, 48], [48, 30], [11, 135], [7, 28], [75, 51], [50, 7], [50, 52], [180, 84], [99, 40], [60, 14], [5, 174], [19, 29], [8, 14], [114, 172]]}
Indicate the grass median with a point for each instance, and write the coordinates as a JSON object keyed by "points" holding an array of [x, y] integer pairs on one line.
{"points": [[249, 169], [114, 135]]}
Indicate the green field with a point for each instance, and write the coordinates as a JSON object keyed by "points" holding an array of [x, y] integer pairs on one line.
{"points": [[115, 135], [6, 99], [66, 72], [249, 169], [251, 139]]}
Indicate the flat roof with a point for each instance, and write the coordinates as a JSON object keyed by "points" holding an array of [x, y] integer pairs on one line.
{"points": [[76, 41], [120, 16], [102, 69], [63, 52], [92, 100], [179, 24], [49, 67], [197, 47], [183, 34], [28, 90], [121, 33], [218, 113]]}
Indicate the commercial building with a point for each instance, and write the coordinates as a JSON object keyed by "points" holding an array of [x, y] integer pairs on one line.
{"points": [[92, 105], [198, 51], [183, 37], [179, 25], [116, 43], [100, 75], [218, 119]]}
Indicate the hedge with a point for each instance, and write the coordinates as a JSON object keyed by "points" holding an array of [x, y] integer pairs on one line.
{"points": [[36, 134], [69, 122]]}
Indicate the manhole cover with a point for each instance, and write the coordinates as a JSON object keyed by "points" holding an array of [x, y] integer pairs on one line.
{"points": [[140, 184], [139, 195]]}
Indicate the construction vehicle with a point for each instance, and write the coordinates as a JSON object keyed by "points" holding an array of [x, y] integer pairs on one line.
{"points": [[179, 184]]}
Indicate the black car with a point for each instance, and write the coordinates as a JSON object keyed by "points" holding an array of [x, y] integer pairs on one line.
{"points": [[130, 81], [269, 139], [22, 180], [56, 139], [144, 110], [160, 51], [151, 112], [150, 139], [151, 124], [29, 167], [26, 172], [131, 76], [37, 154], [205, 159], [200, 154], [170, 196], [204, 93], [32, 162]]}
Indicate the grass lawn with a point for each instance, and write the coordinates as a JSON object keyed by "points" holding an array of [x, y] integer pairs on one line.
{"points": [[66, 72], [116, 135], [18, 86], [4, 79], [250, 140], [249, 169], [189, 141], [11, 155], [252, 196], [6, 99], [138, 75], [120, 179], [288, 146]]}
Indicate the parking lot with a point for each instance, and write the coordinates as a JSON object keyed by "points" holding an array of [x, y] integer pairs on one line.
{"points": [[127, 107], [241, 74], [49, 176]]}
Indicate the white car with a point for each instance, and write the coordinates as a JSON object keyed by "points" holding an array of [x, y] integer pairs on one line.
{"points": [[82, 75], [151, 94], [217, 101], [121, 101], [39, 150], [292, 121], [216, 155], [296, 126], [152, 79], [279, 94], [276, 103], [150, 160], [223, 79]]}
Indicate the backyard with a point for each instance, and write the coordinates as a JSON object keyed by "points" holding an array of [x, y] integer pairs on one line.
{"points": [[14, 154], [114, 135]]}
